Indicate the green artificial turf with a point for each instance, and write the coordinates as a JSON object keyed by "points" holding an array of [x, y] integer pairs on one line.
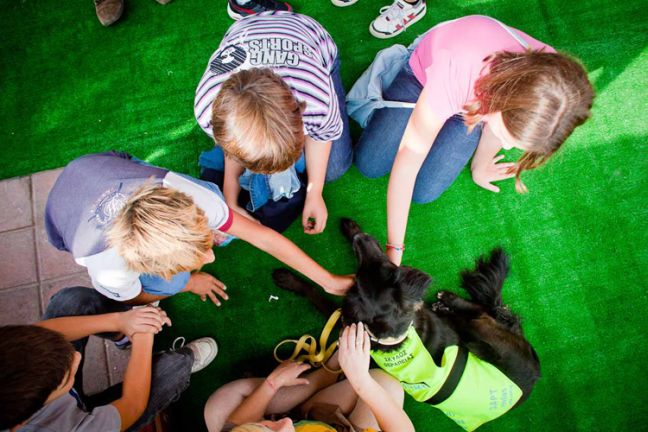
{"points": [[578, 241]]}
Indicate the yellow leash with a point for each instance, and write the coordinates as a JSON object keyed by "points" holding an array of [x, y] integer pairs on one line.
{"points": [[308, 343]]}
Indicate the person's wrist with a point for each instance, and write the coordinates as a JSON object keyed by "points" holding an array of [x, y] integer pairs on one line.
{"points": [[189, 286], [117, 322], [329, 283], [314, 191], [142, 338], [360, 383], [395, 247], [271, 385]]}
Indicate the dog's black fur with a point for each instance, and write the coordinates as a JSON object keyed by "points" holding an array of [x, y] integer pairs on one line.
{"points": [[386, 298]]}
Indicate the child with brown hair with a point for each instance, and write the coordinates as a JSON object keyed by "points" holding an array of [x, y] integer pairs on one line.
{"points": [[479, 86], [273, 101], [41, 382]]}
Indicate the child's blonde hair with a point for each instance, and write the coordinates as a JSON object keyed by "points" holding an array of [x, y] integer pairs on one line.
{"points": [[542, 98], [250, 427], [258, 121], [160, 231]]}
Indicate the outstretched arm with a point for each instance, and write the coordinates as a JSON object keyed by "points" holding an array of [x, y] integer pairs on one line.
{"points": [[270, 241], [420, 133], [141, 320]]}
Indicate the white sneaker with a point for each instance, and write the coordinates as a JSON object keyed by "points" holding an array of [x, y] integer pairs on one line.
{"points": [[394, 19], [343, 3], [204, 351]]}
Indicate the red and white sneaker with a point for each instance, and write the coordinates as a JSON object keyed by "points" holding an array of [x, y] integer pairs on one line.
{"points": [[240, 9], [394, 19], [343, 3]]}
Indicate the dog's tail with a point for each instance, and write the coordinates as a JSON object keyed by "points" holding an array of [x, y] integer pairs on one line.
{"points": [[484, 284]]}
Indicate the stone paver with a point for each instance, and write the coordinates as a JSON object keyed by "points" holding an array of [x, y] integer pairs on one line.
{"points": [[95, 372], [19, 305], [17, 258], [53, 263], [16, 208], [42, 183], [32, 271], [117, 361]]}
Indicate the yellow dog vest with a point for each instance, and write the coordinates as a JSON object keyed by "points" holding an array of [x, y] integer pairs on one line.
{"points": [[482, 394]]}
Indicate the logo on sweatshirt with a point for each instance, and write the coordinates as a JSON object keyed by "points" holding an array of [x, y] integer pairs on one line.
{"points": [[227, 60]]}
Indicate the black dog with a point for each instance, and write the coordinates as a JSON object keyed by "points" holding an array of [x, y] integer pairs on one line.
{"points": [[389, 300]]}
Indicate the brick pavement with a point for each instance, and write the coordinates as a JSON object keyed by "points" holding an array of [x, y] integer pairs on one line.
{"points": [[32, 271]]}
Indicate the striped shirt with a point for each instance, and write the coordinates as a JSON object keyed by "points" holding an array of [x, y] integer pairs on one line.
{"points": [[295, 47]]}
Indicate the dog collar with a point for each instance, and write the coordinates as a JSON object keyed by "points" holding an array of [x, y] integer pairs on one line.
{"points": [[392, 340]]}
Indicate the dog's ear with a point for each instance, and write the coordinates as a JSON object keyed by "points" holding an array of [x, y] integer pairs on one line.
{"points": [[413, 283]]}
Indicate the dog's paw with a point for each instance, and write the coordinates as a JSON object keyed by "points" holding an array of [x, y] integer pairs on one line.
{"points": [[349, 228], [285, 279], [446, 297], [439, 307]]}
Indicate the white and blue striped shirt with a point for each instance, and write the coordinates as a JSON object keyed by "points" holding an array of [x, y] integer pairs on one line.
{"points": [[295, 47]]}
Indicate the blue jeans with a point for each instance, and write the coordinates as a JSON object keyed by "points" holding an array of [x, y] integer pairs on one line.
{"points": [[379, 142], [341, 155], [171, 369]]}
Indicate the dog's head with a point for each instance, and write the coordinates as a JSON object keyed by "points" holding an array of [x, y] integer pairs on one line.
{"points": [[386, 297]]}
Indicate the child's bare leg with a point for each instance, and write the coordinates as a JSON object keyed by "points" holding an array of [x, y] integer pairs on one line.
{"points": [[340, 394], [225, 400], [343, 396]]}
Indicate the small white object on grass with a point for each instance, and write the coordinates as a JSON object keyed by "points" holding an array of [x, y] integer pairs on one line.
{"points": [[272, 297]]}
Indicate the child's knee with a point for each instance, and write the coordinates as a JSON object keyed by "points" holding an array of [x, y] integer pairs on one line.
{"points": [[427, 195], [369, 166], [335, 172], [67, 302]]}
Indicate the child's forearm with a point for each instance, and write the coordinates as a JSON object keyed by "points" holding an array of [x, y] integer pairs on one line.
{"points": [[489, 145], [418, 138], [317, 156], [390, 417], [231, 186], [399, 197], [137, 381], [77, 327], [254, 406], [275, 244]]}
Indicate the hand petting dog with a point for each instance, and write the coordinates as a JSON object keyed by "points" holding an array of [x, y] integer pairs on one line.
{"points": [[354, 346]]}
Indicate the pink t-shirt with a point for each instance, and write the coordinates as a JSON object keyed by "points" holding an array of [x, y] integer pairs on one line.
{"points": [[450, 58]]}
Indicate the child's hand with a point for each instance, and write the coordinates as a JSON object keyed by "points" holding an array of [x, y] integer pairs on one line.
{"points": [[286, 375], [146, 319], [354, 349], [484, 176], [206, 285], [315, 214]]}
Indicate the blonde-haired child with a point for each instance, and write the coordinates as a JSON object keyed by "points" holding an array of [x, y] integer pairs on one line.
{"points": [[272, 99], [141, 230]]}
